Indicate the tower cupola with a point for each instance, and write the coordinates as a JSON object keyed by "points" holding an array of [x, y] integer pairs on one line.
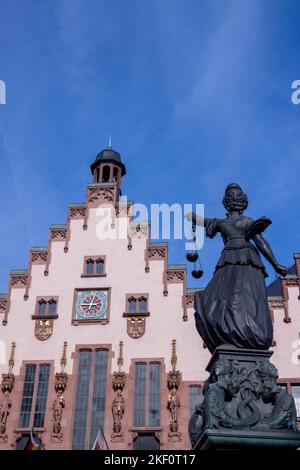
{"points": [[108, 167]]}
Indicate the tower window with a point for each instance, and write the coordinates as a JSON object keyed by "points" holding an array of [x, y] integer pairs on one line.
{"points": [[94, 266], [106, 173], [42, 307]]}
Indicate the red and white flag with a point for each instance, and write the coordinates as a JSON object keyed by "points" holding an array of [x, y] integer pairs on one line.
{"points": [[100, 442]]}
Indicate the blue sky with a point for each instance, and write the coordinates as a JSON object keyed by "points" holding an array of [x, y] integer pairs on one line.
{"points": [[196, 94]]}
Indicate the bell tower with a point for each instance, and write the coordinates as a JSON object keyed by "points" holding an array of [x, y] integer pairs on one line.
{"points": [[108, 167]]}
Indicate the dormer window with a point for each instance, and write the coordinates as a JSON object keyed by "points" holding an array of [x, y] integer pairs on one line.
{"points": [[94, 266], [46, 307]]}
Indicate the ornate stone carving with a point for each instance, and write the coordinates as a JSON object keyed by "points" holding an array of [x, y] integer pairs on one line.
{"points": [[118, 403], [43, 329], [7, 385], [57, 407], [175, 276], [157, 253], [100, 194], [3, 303], [136, 327], [77, 212], [189, 300], [19, 281], [39, 257], [243, 394], [61, 380], [173, 399], [59, 234]]}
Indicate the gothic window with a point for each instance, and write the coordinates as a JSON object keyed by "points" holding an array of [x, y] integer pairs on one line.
{"points": [[137, 305], [296, 395], [42, 307], [99, 267], [46, 307], [52, 307], [34, 397], [89, 267], [94, 266], [147, 390], [154, 394], [194, 397], [89, 410]]}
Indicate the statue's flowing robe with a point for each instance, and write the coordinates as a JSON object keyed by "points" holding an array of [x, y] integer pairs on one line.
{"points": [[233, 308]]}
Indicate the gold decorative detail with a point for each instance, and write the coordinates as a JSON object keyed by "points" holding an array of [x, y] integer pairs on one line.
{"points": [[63, 360], [136, 327], [43, 329], [118, 403], [61, 380], [173, 404]]}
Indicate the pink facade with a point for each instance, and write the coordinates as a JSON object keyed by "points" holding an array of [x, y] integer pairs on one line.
{"points": [[134, 297]]}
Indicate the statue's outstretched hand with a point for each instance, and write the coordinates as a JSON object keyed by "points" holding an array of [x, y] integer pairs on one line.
{"points": [[282, 270]]}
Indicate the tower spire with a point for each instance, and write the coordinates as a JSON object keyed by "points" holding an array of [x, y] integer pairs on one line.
{"points": [[109, 142]]}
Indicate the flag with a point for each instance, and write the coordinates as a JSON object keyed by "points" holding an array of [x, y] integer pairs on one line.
{"points": [[100, 442], [34, 443]]}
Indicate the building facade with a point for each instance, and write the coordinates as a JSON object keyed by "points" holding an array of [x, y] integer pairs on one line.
{"points": [[99, 333]]}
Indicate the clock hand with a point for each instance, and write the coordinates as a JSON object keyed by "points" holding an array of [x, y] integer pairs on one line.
{"points": [[92, 302]]}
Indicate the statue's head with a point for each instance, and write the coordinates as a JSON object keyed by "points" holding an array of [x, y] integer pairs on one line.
{"points": [[235, 199]]}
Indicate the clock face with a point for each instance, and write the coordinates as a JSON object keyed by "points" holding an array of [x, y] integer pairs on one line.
{"points": [[91, 305]]}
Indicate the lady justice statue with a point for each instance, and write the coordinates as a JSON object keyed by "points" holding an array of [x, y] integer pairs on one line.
{"points": [[233, 308]]}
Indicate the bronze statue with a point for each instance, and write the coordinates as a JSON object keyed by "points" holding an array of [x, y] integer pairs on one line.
{"points": [[233, 308]]}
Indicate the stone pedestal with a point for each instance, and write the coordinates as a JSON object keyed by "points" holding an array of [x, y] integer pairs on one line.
{"points": [[243, 406]]}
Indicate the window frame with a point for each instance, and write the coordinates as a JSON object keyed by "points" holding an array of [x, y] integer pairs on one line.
{"points": [[93, 348], [48, 300], [95, 259], [147, 362], [37, 364], [137, 298]]}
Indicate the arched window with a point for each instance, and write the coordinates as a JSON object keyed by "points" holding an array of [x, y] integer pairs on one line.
{"points": [[52, 307], [132, 305], [42, 307], [99, 267], [106, 173], [142, 305], [115, 174], [89, 267]]}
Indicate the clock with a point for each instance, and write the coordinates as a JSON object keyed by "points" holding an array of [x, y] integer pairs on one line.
{"points": [[91, 305]]}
